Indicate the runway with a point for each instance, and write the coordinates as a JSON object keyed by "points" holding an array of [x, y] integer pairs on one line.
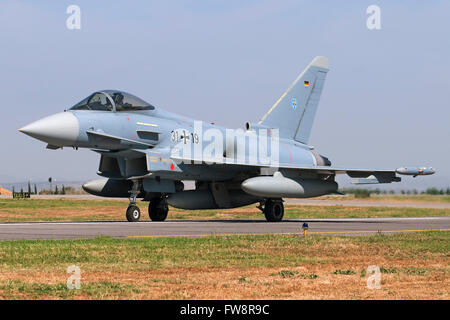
{"points": [[199, 228]]}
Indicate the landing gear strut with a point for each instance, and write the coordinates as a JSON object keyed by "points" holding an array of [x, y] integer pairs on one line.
{"points": [[133, 212], [158, 209], [274, 210]]}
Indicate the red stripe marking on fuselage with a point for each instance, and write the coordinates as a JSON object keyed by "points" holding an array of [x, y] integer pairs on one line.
{"points": [[290, 153]]}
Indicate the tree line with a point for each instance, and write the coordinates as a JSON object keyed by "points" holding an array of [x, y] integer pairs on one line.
{"points": [[34, 191], [365, 193]]}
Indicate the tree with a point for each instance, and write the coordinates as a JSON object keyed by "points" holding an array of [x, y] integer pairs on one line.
{"points": [[63, 191], [56, 189], [362, 193], [432, 191], [35, 189]]}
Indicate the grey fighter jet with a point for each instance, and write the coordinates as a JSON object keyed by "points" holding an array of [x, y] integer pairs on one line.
{"points": [[147, 152]]}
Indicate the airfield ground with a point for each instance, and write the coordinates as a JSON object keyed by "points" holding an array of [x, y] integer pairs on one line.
{"points": [[413, 265], [80, 209]]}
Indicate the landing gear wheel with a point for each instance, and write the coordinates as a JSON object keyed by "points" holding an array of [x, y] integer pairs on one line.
{"points": [[158, 209], [133, 213], [274, 210]]}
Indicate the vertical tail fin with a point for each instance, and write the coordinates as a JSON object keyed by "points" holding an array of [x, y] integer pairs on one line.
{"points": [[293, 114]]}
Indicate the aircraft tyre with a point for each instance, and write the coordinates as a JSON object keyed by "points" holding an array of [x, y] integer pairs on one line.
{"points": [[133, 213], [158, 209], [274, 210]]}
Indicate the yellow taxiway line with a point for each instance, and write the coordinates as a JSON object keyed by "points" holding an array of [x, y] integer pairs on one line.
{"points": [[283, 233]]}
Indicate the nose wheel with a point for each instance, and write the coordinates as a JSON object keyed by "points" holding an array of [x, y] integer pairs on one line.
{"points": [[133, 212]]}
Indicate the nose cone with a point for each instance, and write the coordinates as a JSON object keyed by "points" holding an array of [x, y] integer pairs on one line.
{"points": [[61, 129]]}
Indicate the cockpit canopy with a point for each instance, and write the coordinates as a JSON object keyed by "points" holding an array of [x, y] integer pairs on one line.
{"points": [[112, 100]]}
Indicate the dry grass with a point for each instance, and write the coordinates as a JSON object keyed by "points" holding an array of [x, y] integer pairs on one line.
{"points": [[114, 210], [414, 266], [229, 283]]}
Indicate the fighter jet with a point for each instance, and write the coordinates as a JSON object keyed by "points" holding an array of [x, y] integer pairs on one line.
{"points": [[147, 152]]}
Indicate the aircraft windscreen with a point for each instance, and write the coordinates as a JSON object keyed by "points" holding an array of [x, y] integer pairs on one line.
{"points": [[102, 101], [96, 101], [127, 102]]}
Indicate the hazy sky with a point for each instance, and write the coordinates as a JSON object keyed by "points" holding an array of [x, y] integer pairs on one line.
{"points": [[385, 103]]}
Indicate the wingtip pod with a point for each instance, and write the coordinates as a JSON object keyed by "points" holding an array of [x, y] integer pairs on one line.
{"points": [[321, 62], [416, 171]]}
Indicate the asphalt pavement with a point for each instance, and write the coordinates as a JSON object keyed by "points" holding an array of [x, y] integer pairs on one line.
{"points": [[199, 228]]}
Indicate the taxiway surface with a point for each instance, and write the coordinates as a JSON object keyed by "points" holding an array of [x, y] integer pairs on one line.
{"points": [[198, 228]]}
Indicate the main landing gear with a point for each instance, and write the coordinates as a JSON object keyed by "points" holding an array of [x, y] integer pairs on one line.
{"points": [[273, 210], [158, 209]]}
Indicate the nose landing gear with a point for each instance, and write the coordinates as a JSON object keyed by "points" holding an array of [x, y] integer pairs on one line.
{"points": [[133, 213]]}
